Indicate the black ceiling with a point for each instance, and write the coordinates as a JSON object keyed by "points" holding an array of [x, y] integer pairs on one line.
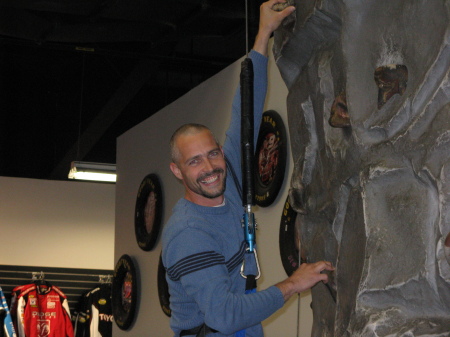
{"points": [[76, 74]]}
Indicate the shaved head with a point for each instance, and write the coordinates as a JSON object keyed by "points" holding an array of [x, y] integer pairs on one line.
{"points": [[186, 129]]}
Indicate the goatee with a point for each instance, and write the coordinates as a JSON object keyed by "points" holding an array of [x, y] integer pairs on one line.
{"points": [[216, 193]]}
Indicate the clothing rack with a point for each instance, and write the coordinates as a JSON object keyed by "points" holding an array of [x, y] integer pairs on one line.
{"points": [[73, 282], [105, 279]]}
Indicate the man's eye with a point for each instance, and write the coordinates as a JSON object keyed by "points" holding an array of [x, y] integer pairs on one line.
{"points": [[214, 154], [193, 162]]}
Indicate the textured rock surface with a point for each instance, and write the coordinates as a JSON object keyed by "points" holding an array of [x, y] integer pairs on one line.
{"points": [[374, 197]]}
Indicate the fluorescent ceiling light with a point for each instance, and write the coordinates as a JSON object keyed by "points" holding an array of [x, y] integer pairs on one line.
{"points": [[93, 171]]}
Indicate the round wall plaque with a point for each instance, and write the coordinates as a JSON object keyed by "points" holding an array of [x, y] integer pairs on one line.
{"points": [[289, 239], [124, 292], [148, 212], [163, 289], [270, 158]]}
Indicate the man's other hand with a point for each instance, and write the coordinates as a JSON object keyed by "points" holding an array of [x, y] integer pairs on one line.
{"points": [[306, 276]]}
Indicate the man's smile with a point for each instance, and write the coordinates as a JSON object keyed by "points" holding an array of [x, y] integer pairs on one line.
{"points": [[210, 178]]}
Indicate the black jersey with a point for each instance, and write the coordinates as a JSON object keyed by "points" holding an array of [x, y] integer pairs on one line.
{"points": [[95, 315]]}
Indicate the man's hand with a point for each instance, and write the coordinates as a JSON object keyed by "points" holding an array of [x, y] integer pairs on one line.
{"points": [[306, 276], [269, 21]]}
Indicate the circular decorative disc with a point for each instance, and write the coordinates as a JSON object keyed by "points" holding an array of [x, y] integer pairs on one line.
{"points": [[163, 289], [270, 158], [289, 239], [124, 292], [148, 212]]}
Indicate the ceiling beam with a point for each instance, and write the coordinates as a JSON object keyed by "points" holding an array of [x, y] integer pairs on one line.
{"points": [[109, 113]]}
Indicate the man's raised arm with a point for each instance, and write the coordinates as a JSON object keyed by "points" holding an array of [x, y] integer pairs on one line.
{"points": [[269, 21]]}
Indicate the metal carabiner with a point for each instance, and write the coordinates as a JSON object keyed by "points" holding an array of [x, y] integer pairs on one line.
{"points": [[257, 265]]}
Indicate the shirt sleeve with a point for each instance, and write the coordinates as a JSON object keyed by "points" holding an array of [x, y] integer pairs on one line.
{"points": [[67, 320]]}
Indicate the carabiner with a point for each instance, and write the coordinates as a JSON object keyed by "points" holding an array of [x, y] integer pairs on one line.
{"points": [[255, 254]]}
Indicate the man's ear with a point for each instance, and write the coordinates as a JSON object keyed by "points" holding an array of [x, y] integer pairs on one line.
{"points": [[176, 171]]}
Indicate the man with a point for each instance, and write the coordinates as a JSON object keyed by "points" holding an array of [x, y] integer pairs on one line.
{"points": [[203, 241]]}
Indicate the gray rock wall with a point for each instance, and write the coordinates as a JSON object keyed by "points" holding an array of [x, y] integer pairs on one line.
{"points": [[371, 185]]}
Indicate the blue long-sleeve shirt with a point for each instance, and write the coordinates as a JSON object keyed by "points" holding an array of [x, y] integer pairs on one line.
{"points": [[203, 248]]}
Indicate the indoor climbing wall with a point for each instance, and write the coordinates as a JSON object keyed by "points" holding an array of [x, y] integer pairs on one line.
{"points": [[369, 121]]}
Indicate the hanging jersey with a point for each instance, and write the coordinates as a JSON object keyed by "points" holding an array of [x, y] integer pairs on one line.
{"points": [[100, 308], [7, 326], [43, 312], [95, 313], [80, 319]]}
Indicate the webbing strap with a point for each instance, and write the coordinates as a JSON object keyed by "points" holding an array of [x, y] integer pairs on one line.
{"points": [[250, 284], [198, 331]]}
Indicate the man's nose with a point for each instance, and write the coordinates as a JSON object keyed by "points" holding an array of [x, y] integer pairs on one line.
{"points": [[207, 165]]}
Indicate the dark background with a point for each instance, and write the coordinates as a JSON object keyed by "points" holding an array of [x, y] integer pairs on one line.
{"points": [[75, 75]]}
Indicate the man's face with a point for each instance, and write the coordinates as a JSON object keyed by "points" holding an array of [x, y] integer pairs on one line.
{"points": [[271, 141], [201, 166]]}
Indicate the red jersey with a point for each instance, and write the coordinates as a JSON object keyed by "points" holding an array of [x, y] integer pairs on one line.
{"points": [[43, 312]]}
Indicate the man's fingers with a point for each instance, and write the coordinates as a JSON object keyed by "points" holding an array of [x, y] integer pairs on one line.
{"points": [[270, 3], [323, 278], [328, 265], [287, 11], [283, 6], [323, 265]]}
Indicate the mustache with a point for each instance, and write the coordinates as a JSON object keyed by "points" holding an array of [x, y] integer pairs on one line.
{"points": [[208, 174]]}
